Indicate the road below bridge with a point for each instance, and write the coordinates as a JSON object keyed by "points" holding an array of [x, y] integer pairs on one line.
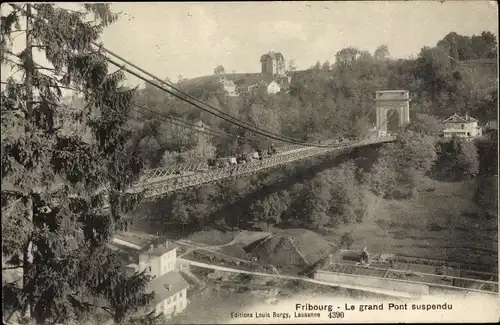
{"points": [[385, 292]]}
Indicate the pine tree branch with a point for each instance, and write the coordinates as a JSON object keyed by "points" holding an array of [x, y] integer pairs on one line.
{"points": [[88, 304], [37, 66], [63, 87], [17, 7], [12, 61], [9, 208]]}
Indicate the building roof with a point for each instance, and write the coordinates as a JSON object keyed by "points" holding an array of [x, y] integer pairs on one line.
{"points": [[454, 131], [272, 55], [159, 249], [166, 286], [455, 118], [136, 238], [160, 246], [273, 81], [492, 124], [283, 82], [392, 91]]}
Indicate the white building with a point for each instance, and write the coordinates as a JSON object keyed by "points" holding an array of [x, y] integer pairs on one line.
{"points": [[273, 63], [229, 87], [461, 127], [273, 87], [159, 260]]}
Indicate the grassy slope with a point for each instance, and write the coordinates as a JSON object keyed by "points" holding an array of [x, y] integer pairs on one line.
{"points": [[434, 224]]}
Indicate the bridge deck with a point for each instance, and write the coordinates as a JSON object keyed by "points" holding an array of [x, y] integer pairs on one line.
{"points": [[164, 182]]}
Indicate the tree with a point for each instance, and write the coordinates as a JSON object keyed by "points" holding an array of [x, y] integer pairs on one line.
{"points": [[433, 67], [457, 159], [383, 177], [270, 209], [57, 234], [326, 66], [317, 66], [399, 165], [426, 124], [486, 194], [346, 240], [490, 41], [219, 70], [487, 148], [413, 152], [347, 55], [381, 53]]}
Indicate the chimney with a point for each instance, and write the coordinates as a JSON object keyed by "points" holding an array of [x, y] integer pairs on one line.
{"points": [[166, 243], [168, 286], [151, 247]]}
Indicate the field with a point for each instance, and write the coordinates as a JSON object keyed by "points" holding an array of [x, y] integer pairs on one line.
{"points": [[440, 224]]}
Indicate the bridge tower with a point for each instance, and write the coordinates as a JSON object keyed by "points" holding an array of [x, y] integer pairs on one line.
{"points": [[387, 100]]}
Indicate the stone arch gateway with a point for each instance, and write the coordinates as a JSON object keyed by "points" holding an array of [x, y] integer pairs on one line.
{"points": [[387, 100]]}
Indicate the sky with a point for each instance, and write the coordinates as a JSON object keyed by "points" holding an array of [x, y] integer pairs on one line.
{"points": [[192, 38]]}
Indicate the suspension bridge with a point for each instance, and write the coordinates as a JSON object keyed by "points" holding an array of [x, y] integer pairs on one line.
{"points": [[161, 181], [157, 182]]}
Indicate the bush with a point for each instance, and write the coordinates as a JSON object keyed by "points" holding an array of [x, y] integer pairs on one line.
{"points": [[346, 240], [486, 196], [396, 171], [457, 160]]}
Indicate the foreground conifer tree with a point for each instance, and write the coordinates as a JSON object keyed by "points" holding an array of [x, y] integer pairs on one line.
{"points": [[54, 227]]}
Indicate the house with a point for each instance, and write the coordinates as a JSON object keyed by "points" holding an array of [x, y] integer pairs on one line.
{"points": [[491, 125], [462, 127], [229, 87], [278, 84], [273, 87], [159, 260], [346, 56], [273, 63]]}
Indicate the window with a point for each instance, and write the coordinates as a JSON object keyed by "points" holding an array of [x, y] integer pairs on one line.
{"points": [[463, 126], [168, 300], [174, 298], [468, 133], [180, 294]]}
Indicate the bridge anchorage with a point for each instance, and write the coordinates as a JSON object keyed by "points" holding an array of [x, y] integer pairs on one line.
{"points": [[392, 100]]}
